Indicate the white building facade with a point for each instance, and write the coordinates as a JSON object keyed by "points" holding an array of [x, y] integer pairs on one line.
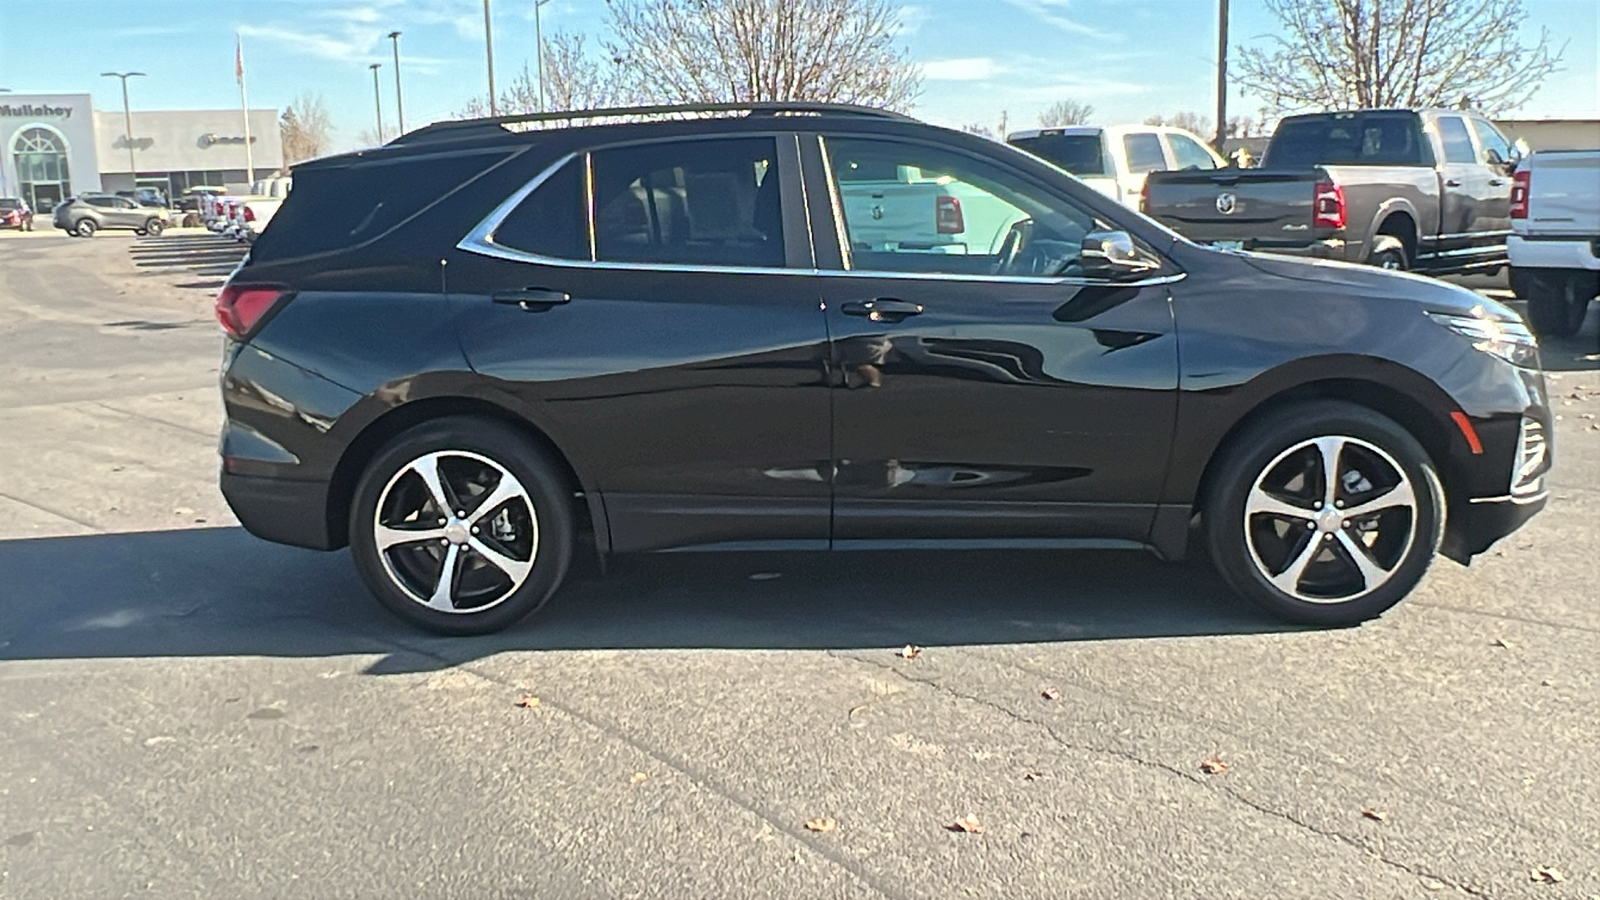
{"points": [[53, 146]]}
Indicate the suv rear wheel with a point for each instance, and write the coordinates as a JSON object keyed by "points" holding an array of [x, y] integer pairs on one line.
{"points": [[461, 526], [84, 228], [1325, 513]]}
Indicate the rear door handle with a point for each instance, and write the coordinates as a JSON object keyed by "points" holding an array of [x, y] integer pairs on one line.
{"points": [[883, 309], [533, 298], [1452, 183], [1497, 182]]}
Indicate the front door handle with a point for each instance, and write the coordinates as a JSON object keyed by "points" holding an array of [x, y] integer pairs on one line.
{"points": [[883, 309], [1497, 182], [1452, 183], [532, 298]]}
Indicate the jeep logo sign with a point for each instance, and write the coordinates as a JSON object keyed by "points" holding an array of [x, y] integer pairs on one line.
{"points": [[1226, 203]]}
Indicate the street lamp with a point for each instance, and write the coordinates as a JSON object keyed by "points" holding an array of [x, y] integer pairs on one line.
{"points": [[538, 48], [399, 105], [488, 46], [127, 119], [377, 100]]}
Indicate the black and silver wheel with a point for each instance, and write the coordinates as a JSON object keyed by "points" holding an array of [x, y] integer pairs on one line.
{"points": [[85, 228], [1558, 301], [1389, 253], [462, 527], [1325, 513], [153, 227]]}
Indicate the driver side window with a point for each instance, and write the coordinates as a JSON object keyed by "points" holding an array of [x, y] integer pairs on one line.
{"points": [[920, 209]]}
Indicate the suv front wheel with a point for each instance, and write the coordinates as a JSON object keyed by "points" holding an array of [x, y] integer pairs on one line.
{"points": [[1325, 513], [461, 526]]}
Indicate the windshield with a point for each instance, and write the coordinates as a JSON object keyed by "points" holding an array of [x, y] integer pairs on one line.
{"points": [[1360, 139], [1080, 154]]}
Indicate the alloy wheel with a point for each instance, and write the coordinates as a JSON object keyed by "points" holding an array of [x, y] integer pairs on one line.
{"points": [[456, 531], [1330, 519]]}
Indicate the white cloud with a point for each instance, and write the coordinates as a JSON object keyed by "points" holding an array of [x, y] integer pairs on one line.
{"points": [[1052, 12], [972, 68]]}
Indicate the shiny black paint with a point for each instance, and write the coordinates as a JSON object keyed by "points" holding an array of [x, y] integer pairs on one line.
{"points": [[701, 409]]}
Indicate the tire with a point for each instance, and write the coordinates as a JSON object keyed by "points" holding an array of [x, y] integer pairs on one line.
{"points": [[153, 227], [85, 228], [1558, 301], [1389, 253], [1520, 281], [534, 528], [1276, 464]]}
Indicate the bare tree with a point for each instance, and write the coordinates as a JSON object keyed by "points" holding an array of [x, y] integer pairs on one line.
{"points": [[575, 78], [1065, 112], [1188, 121], [305, 128], [839, 51], [1397, 53], [997, 132]]}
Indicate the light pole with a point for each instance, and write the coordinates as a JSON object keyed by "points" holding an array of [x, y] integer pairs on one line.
{"points": [[538, 48], [1222, 74], [377, 100], [399, 105], [127, 119], [488, 46]]}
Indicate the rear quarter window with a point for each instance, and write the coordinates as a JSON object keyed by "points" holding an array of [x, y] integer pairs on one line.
{"points": [[1144, 153]]}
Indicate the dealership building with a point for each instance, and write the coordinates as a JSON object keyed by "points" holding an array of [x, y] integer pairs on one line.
{"points": [[55, 145]]}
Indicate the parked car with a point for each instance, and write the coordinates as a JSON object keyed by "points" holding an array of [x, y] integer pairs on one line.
{"points": [[257, 210], [1428, 190], [14, 213], [86, 214], [1555, 240], [1115, 160], [906, 209], [474, 351], [146, 196], [190, 200]]}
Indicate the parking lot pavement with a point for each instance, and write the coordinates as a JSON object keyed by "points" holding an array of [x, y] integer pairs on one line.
{"points": [[188, 711]]}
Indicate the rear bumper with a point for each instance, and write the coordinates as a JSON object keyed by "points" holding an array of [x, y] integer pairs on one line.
{"points": [[1327, 248], [279, 510], [1571, 253]]}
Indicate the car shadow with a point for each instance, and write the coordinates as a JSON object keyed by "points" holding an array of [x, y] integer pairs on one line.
{"points": [[221, 592]]}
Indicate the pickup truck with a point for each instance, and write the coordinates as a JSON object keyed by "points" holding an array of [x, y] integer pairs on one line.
{"points": [[1115, 160], [885, 204], [1555, 236], [256, 210], [1428, 190]]}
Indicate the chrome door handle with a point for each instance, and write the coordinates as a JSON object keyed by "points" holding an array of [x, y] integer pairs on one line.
{"points": [[1452, 183], [1497, 182], [883, 309]]}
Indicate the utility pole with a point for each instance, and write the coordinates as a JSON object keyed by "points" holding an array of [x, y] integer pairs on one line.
{"points": [[538, 48], [377, 99], [1222, 74], [127, 120], [488, 46], [399, 105]]}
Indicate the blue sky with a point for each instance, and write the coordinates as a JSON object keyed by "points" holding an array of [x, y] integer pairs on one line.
{"points": [[1129, 58]]}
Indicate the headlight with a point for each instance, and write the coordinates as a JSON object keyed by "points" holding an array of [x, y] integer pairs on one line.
{"points": [[1510, 341]]}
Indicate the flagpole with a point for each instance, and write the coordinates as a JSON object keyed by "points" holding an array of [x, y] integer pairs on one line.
{"points": [[244, 106]]}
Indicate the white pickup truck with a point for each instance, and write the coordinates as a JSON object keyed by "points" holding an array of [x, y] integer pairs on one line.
{"points": [[901, 209], [1555, 237], [1114, 160], [253, 211]]}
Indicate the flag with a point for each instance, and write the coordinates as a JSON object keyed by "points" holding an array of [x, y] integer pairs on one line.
{"points": [[238, 59]]}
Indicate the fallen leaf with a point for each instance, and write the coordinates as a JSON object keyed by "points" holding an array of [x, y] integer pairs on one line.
{"points": [[1433, 884], [1546, 876], [638, 778], [967, 824], [909, 651], [855, 709], [1213, 766], [1033, 776], [1500, 642], [1376, 815], [528, 701], [821, 824], [1050, 693]]}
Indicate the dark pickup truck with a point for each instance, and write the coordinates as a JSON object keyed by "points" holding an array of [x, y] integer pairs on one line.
{"points": [[1428, 190]]}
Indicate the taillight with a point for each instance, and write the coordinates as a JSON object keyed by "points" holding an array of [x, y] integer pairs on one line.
{"points": [[1519, 194], [1327, 206], [241, 306], [947, 215], [249, 214]]}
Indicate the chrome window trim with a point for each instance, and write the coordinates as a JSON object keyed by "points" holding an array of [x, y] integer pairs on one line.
{"points": [[480, 240]]}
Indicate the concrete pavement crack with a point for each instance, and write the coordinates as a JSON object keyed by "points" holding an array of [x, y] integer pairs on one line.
{"points": [[1508, 617], [1157, 765], [149, 418], [54, 512]]}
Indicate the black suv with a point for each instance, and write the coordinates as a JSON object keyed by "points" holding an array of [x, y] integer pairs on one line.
{"points": [[472, 351]]}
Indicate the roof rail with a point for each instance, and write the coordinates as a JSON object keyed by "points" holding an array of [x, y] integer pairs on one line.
{"points": [[759, 108]]}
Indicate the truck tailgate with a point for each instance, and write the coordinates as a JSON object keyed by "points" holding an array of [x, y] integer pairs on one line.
{"points": [[1233, 204], [1564, 193]]}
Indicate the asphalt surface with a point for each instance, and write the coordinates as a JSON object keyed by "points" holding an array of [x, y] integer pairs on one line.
{"points": [[188, 711]]}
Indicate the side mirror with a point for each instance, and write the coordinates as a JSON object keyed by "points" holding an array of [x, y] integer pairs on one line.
{"points": [[1112, 255]]}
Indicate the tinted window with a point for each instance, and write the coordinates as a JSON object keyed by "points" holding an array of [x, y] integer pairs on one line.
{"points": [[961, 215], [102, 202], [1457, 142], [1144, 153], [1188, 154], [1080, 154], [1492, 140], [552, 220], [1371, 139], [708, 202]]}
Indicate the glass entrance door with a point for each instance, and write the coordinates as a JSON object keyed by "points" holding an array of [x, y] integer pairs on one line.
{"points": [[42, 175]]}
